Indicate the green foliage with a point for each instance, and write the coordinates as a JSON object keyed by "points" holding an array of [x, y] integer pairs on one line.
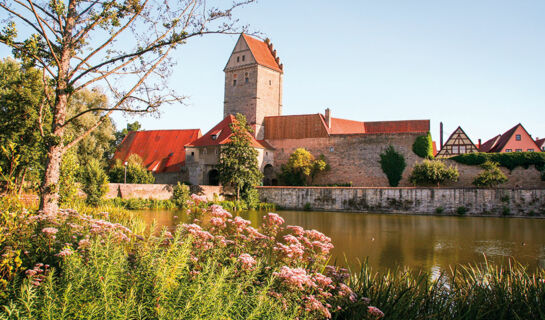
{"points": [[136, 172], [461, 210], [181, 195], [432, 172], [482, 292], [439, 210], [307, 206], [423, 146], [238, 166], [138, 204], [68, 182], [302, 167], [94, 182], [509, 160], [392, 164], [491, 175]]}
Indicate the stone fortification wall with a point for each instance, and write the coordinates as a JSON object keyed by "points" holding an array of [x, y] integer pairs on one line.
{"points": [[352, 157], [410, 200], [157, 191]]}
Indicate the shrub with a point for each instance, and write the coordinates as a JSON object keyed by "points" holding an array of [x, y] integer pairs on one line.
{"points": [[461, 210], [439, 210], [491, 175], [307, 206], [302, 167], [423, 146], [94, 182], [509, 160], [392, 164], [432, 172], [181, 195], [136, 172]]}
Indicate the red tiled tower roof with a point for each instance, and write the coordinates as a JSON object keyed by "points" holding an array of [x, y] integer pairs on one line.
{"points": [[221, 134], [160, 150], [262, 53]]}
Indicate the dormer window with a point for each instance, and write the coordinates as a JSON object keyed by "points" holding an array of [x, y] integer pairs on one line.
{"points": [[517, 137]]}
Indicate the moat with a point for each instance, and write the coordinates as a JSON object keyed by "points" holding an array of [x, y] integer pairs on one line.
{"points": [[430, 243]]}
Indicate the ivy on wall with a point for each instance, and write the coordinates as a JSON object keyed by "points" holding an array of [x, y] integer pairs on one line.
{"points": [[509, 160], [392, 164], [423, 146]]}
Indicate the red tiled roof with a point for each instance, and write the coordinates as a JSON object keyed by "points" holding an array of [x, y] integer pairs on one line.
{"points": [[343, 126], [488, 145], [222, 132], [434, 144], [160, 150], [340, 126], [498, 143], [261, 52]]}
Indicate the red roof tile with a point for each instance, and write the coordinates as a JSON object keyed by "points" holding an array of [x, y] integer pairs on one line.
{"points": [[221, 134], [540, 143], [261, 52], [160, 150], [488, 145], [343, 126], [498, 143]]}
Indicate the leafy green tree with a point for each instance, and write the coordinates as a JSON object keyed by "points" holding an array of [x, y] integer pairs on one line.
{"points": [[180, 195], [238, 166], [392, 164], [432, 172], [94, 182], [21, 98], [302, 167], [423, 146], [491, 175], [76, 45], [136, 172]]}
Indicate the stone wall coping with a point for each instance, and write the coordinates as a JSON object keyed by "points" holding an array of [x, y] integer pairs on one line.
{"points": [[395, 188]]}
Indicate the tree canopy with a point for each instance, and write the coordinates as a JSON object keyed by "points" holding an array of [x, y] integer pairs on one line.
{"points": [[302, 167]]}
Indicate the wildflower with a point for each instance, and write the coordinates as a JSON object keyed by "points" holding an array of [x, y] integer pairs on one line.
{"points": [[84, 244], [198, 199], [273, 219], [247, 261], [50, 232], [295, 277], [312, 304], [375, 312], [297, 230], [168, 235], [65, 253]]}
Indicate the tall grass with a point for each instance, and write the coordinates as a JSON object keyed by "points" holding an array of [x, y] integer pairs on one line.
{"points": [[150, 282], [466, 292]]}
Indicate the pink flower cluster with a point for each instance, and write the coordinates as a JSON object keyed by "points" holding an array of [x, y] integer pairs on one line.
{"points": [[295, 277], [38, 273], [375, 312], [198, 199], [50, 232], [247, 261]]}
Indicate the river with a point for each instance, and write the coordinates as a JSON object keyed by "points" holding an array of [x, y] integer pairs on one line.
{"points": [[429, 243]]}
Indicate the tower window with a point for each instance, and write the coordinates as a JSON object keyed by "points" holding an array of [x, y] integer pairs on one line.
{"points": [[270, 82], [243, 56], [246, 79], [234, 82], [238, 59]]}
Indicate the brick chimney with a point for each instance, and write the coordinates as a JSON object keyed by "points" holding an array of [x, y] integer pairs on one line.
{"points": [[479, 145], [328, 117]]}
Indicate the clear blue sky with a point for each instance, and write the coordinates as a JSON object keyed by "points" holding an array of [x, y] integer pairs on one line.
{"points": [[478, 64]]}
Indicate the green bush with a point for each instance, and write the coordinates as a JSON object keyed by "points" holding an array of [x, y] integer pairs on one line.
{"points": [[509, 160], [94, 182], [491, 175], [432, 172], [423, 146], [181, 195], [392, 164], [136, 172], [461, 210], [302, 167]]}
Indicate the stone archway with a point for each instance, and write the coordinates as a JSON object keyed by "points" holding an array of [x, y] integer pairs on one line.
{"points": [[213, 177], [268, 175]]}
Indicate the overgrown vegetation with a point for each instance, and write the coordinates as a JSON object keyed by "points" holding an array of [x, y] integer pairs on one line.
{"points": [[432, 172], [423, 146], [94, 182], [464, 292], [181, 195], [509, 160], [302, 168], [490, 176], [392, 164]]}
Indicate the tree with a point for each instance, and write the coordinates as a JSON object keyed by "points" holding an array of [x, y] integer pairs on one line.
{"points": [[302, 167], [136, 172], [238, 165], [432, 172], [94, 182], [423, 146], [491, 175], [392, 164], [81, 43]]}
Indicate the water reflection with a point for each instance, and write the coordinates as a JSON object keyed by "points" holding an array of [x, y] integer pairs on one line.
{"points": [[418, 242]]}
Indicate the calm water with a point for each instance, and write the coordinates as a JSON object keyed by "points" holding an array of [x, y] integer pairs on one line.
{"points": [[422, 242]]}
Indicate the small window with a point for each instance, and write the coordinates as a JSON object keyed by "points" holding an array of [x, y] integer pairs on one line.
{"points": [[204, 151], [247, 78], [238, 59], [266, 153], [214, 137], [455, 149], [216, 151], [530, 150], [508, 150], [517, 137], [462, 149], [192, 153], [243, 57], [234, 82], [270, 82], [331, 149], [518, 150]]}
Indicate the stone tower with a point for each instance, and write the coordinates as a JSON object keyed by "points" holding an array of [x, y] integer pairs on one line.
{"points": [[253, 82]]}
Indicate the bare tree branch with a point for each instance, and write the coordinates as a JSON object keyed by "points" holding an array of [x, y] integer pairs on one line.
{"points": [[44, 34]]}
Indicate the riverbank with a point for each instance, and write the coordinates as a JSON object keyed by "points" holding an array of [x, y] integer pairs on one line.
{"points": [[457, 201]]}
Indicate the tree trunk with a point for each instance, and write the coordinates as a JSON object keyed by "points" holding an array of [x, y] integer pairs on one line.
{"points": [[49, 201], [22, 182]]}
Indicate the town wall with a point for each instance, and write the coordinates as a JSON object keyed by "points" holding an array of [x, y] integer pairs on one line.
{"points": [[353, 158], [470, 201], [157, 191]]}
